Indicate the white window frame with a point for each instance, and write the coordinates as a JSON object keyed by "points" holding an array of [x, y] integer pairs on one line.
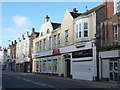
{"points": [[59, 38], [55, 36], [77, 34], [50, 42], [116, 33], [85, 29], [66, 35], [40, 45], [44, 44]]}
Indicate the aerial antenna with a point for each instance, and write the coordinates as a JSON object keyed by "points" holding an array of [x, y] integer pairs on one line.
{"points": [[86, 8]]}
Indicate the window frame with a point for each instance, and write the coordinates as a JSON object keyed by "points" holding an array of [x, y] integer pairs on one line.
{"points": [[116, 32], [44, 44], [59, 38], [66, 35]]}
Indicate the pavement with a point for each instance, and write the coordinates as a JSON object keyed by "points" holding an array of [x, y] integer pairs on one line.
{"points": [[96, 84]]}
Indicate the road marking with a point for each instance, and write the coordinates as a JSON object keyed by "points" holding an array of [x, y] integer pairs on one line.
{"points": [[43, 84], [7, 78], [37, 83], [17, 77], [26, 80]]}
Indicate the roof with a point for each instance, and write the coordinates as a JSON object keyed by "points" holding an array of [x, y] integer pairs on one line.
{"points": [[93, 9], [74, 15], [55, 25]]}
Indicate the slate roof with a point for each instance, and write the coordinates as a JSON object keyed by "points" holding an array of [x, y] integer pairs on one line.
{"points": [[55, 25], [74, 15], [93, 9]]}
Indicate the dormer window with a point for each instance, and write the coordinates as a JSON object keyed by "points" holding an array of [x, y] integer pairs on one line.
{"points": [[48, 31]]}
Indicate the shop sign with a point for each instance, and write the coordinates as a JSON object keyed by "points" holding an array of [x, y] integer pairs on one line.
{"points": [[83, 53], [56, 52], [29, 56]]}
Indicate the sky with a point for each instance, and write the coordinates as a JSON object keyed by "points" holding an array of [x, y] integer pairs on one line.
{"points": [[19, 17]]}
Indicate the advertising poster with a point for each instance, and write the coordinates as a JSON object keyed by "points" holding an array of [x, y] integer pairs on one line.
{"points": [[40, 66], [44, 66], [54, 65], [49, 66]]}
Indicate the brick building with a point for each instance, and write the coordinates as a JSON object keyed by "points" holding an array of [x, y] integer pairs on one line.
{"points": [[110, 46], [32, 37]]}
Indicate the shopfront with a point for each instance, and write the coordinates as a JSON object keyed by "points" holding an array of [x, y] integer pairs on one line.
{"points": [[83, 65], [110, 65]]}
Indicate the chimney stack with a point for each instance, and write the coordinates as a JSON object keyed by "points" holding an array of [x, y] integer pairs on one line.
{"points": [[33, 30], [75, 10], [27, 33], [47, 18], [15, 42], [12, 42], [23, 37], [19, 39]]}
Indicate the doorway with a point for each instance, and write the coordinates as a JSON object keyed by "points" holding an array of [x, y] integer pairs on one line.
{"points": [[67, 68], [114, 70]]}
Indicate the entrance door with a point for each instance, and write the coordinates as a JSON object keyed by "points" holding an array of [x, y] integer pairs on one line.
{"points": [[67, 64], [113, 70]]}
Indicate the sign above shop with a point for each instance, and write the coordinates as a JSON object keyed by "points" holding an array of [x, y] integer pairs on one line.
{"points": [[81, 44], [56, 52], [83, 53]]}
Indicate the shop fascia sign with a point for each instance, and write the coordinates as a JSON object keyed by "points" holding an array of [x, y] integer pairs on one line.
{"points": [[56, 52], [35, 55], [80, 44]]}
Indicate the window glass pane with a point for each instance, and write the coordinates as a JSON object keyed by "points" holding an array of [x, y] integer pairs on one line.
{"points": [[111, 76], [66, 36], [58, 38], [111, 66], [85, 33], [115, 66], [77, 31], [85, 25], [80, 26], [79, 34], [116, 76], [54, 39]]}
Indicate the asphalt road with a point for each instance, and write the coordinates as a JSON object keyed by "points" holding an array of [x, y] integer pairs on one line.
{"points": [[23, 80]]}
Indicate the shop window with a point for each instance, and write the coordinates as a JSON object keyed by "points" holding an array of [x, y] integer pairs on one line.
{"points": [[54, 65]]}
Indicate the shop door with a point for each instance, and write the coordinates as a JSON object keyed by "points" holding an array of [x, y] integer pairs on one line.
{"points": [[114, 70], [67, 62]]}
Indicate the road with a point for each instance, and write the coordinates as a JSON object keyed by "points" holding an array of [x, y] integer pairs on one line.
{"points": [[23, 80]]}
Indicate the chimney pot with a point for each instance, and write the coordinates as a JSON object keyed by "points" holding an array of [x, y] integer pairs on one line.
{"points": [[33, 29], [27, 33], [23, 37], [75, 10], [47, 18]]}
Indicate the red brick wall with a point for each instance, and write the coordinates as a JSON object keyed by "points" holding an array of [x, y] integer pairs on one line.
{"points": [[109, 9]]}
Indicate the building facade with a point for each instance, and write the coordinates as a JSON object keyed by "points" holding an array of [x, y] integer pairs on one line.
{"points": [[110, 46], [63, 51], [22, 53]]}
